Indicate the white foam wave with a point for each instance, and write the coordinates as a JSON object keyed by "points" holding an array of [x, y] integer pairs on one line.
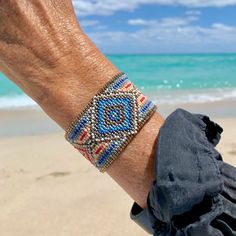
{"points": [[197, 97], [19, 101], [169, 97]]}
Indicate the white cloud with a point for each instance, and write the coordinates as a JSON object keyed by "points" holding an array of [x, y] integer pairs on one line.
{"points": [[89, 23], [165, 22], [107, 7], [142, 22], [193, 13], [175, 21], [168, 35], [223, 27]]}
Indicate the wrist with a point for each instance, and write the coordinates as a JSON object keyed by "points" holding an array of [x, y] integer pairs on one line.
{"points": [[74, 81]]}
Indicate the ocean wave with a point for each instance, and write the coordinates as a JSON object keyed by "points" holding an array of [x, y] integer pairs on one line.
{"points": [[19, 101], [168, 97], [194, 96]]}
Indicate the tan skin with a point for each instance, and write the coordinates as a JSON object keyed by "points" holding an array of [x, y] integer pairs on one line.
{"points": [[45, 52]]}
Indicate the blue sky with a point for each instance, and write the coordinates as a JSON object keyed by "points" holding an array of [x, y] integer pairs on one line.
{"points": [[159, 26]]}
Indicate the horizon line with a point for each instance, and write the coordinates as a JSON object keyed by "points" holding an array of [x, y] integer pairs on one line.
{"points": [[170, 53]]}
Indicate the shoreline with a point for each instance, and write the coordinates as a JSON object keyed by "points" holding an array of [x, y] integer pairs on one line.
{"points": [[24, 122], [33, 121], [215, 110]]}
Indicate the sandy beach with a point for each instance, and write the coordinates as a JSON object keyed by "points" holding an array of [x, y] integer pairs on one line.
{"points": [[47, 188]]}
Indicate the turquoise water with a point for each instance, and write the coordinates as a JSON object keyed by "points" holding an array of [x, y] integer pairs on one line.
{"points": [[179, 71], [175, 78]]}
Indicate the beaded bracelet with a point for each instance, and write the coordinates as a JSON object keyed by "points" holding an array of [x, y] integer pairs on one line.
{"points": [[110, 121]]}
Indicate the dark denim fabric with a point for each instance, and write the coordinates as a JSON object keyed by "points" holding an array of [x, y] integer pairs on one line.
{"points": [[195, 191]]}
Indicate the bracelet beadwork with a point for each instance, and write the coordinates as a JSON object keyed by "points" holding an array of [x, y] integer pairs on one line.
{"points": [[110, 121]]}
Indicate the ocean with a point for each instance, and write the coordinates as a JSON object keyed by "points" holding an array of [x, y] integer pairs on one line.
{"points": [[167, 79]]}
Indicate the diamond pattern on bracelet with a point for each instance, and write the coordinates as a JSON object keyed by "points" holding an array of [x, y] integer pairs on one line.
{"points": [[110, 121]]}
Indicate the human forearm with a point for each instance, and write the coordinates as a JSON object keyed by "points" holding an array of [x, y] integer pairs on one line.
{"points": [[79, 77], [62, 73]]}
